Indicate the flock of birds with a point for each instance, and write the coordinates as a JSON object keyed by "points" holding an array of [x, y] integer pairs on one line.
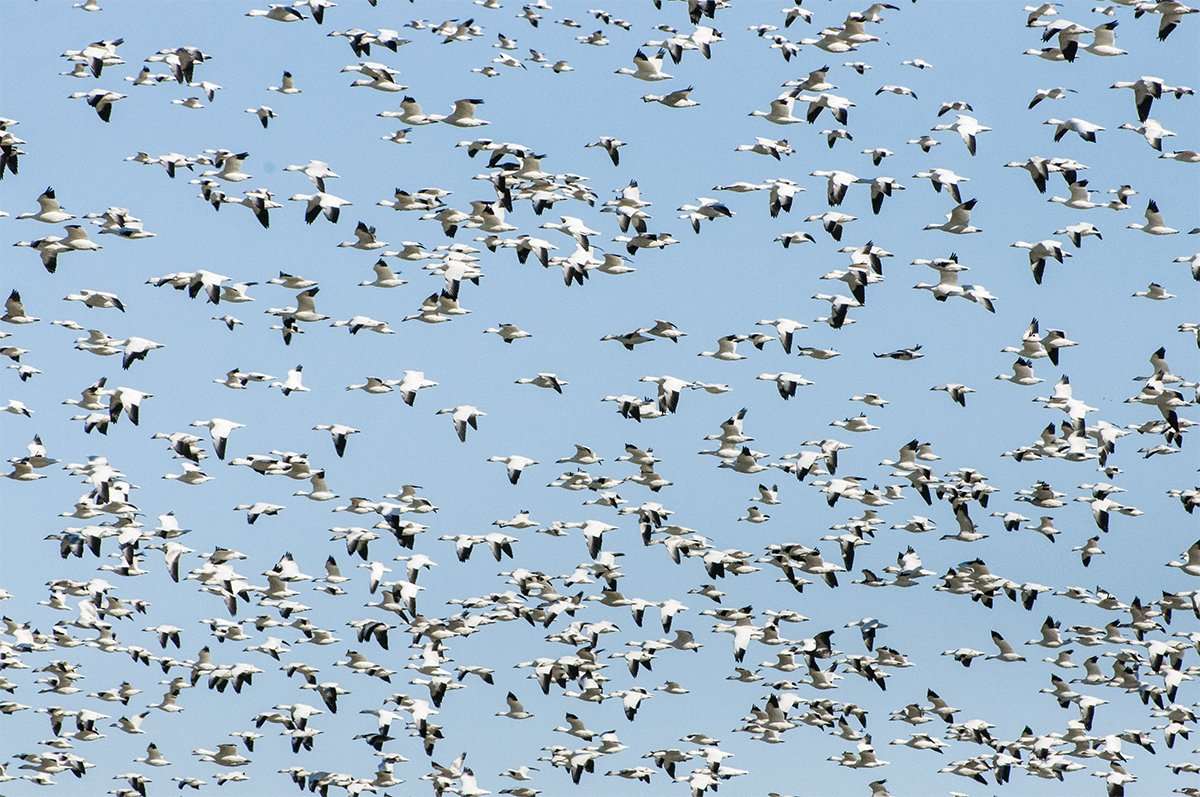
{"points": [[588, 639]]}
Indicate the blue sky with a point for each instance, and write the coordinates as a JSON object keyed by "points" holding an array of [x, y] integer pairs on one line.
{"points": [[717, 283]]}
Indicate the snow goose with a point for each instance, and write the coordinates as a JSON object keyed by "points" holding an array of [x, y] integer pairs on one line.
{"points": [[957, 393], [48, 248], [1081, 127], [836, 184], [659, 240], [871, 399], [1080, 198], [954, 105], [1146, 90], [666, 330], [410, 112], [1183, 156], [786, 329], [102, 100], [882, 187], [259, 201], [191, 103], [1022, 373], [680, 98], [958, 220], [515, 464], [385, 277], [287, 85], [1077, 232], [780, 112], [1151, 130], [462, 416], [136, 348], [967, 127], [610, 145], [191, 476], [358, 323], [1191, 562], [229, 167], [858, 423], [399, 137], [544, 380], [49, 211], [878, 154], [219, 429], [1038, 254], [321, 203], [305, 309], [463, 114], [833, 222], [15, 407], [147, 78], [786, 382], [707, 209], [1154, 291], [264, 113], [900, 91], [906, 354], [835, 135], [925, 142], [1055, 93], [96, 299], [382, 78], [293, 383], [410, 383], [507, 332], [726, 348], [943, 178], [1104, 41], [277, 13], [1154, 222], [364, 239]]}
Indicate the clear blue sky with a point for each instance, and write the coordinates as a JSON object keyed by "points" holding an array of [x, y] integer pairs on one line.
{"points": [[715, 284]]}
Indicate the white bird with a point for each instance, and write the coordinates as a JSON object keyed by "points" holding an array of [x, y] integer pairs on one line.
{"points": [[1154, 222], [515, 463], [462, 416]]}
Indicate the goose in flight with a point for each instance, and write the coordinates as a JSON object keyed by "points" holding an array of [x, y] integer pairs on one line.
{"points": [[1154, 222], [609, 144], [515, 464], [463, 114], [726, 348], [943, 178], [968, 128], [277, 13], [956, 392], [96, 299], [462, 416], [219, 429], [293, 383], [102, 100], [1039, 253], [648, 68], [1055, 93], [781, 112], [680, 98], [508, 332], [1151, 130], [958, 220], [1081, 127], [287, 85], [49, 211]]}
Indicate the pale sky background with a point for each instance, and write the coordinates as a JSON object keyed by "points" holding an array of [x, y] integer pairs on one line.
{"points": [[719, 282]]}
